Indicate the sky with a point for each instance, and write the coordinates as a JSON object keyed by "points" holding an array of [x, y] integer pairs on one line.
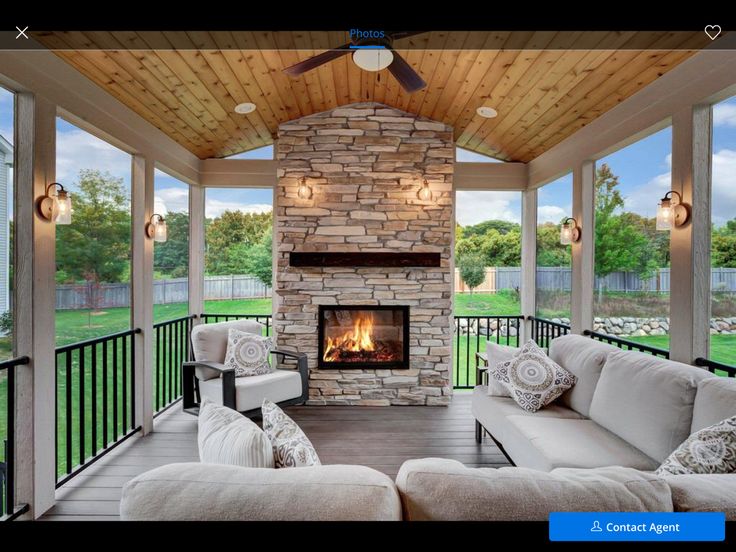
{"points": [[643, 169]]}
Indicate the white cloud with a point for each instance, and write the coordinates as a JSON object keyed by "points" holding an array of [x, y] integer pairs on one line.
{"points": [[724, 186], [215, 207], [77, 149], [475, 207], [644, 199], [171, 200], [724, 114], [550, 213]]}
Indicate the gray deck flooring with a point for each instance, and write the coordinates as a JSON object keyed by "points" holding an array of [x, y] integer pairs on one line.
{"points": [[379, 437]]}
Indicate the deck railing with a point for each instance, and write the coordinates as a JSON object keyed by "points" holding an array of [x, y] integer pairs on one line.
{"points": [[95, 400], [264, 319], [627, 345], [717, 368], [172, 347], [8, 508], [544, 330]]}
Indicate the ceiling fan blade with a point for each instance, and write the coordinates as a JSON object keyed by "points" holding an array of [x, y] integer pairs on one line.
{"points": [[407, 77], [315, 61]]}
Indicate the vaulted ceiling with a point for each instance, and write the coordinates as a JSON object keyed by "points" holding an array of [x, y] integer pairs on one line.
{"points": [[544, 85]]}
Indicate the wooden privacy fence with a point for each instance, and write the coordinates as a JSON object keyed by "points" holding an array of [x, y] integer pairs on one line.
{"points": [[560, 278], [175, 290]]}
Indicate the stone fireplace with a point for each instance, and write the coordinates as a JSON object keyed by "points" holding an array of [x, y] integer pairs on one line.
{"points": [[380, 256]]}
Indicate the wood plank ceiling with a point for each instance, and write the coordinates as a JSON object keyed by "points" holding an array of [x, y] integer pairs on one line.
{"points": [[544, 85]]}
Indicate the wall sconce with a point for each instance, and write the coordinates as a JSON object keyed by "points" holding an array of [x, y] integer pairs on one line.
{"points": [[56, 208], [424, 193], [569, 231], [304, 191], [671, 213], [156, 229]]}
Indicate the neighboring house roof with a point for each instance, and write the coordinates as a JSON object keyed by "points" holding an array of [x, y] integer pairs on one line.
{"points": [[7, 148]]}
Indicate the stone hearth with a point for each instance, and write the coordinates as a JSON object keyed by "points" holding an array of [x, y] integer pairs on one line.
{"points": [[365, 163]]}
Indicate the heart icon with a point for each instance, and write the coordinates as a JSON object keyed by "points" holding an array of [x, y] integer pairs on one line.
{"points": [[712, 31]]}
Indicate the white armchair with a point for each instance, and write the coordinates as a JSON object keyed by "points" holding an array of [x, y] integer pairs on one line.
{"points": [[207, 376]]}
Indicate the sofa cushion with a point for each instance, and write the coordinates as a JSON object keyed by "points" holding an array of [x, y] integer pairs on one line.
{"points": [[584, 357], [549, 443], [710, 450], [496, 355], [209, 341], [438, 489], [647, 401], [491, 411], [291, 447], [704, 493], [279, 385], [715, 400], [202, 492], [225, 436]]}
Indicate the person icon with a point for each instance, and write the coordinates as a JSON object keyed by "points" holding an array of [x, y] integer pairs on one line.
{"points": [[596, 527]]}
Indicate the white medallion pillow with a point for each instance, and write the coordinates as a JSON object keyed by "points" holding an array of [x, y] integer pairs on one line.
{"points": [[710, 450], [532, 378], [291, 447], [498, 354], [247, 353], [227, 437]]}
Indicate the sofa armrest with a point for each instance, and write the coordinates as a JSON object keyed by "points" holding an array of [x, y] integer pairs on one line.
{"points": [[214, 492], [221, 368], [302, 364], [444, 490], [713, 492]]}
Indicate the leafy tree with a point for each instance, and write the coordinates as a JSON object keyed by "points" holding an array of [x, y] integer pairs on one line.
{"points": [[472, 270], [550, 252], [500, 226], [502, 249], [97, 243], [229, 237], [172, 256], [259, 261], [724, 250]]}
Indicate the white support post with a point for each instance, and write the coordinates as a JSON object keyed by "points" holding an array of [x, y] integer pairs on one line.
{"points": [[583, 262], [690, 244], [142, 289], [528, 261], [34, 305], [196, 251]]}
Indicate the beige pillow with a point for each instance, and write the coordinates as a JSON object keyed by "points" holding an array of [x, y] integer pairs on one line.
{"points": [[227, 437], [247, 353], [291, 447], [710, 450], [497, 355], [532, 378]]}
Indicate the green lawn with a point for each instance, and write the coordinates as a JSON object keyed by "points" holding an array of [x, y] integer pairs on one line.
{"points": [[503, 303], [722, 347]]}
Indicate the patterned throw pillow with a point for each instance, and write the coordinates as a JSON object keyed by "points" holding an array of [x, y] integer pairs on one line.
{"points": [[291, 447], [533, 379], [248, 353], [497, 355], [710, 450]]}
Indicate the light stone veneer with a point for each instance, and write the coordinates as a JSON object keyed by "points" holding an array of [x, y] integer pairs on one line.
{"points": [[365, 163]]}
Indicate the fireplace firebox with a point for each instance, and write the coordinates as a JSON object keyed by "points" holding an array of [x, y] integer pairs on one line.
{"points": [[363, 336]]}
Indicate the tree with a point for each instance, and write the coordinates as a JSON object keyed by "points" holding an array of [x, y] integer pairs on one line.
{"points": [[172, 256], [472, 270], [97, 243], [259, 261], [550, 252], [500, 226], [229, 237]]}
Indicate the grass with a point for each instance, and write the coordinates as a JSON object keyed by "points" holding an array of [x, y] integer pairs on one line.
{"points": [[502, 303], [722, 347]]}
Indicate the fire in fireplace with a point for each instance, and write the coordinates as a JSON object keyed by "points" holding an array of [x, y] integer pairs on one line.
{"points": [[358, 336]]}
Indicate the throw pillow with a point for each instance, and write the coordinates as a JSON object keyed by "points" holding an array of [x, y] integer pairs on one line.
{"points": [[532, 378], [247, 353], [291, 447], [710, 450], [498, 354], [227, 437]]}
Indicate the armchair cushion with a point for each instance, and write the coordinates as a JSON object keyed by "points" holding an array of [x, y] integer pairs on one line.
{"points": [[209, 341], [247, 353], [279, 385]]}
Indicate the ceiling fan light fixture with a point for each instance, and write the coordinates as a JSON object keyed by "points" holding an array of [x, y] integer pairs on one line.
{"points": [[373, 59], [245, 108], [486, 112]]}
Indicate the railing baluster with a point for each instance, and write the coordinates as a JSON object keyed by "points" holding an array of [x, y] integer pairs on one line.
{"points": [[93, 378], [124, 401], [82, 375], [105, 416], [68, 409], [115, 431]]}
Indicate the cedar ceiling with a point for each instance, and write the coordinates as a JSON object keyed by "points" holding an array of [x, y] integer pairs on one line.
{"points": [[544, 85]]}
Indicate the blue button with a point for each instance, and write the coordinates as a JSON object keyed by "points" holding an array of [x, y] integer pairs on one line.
{"points": [[637, 526]]}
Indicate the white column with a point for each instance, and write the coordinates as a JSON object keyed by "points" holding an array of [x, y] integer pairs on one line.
{"points": [[690, 244], [142, 289], [528, 260], [34, 306], [196, 250], [583, 267]]}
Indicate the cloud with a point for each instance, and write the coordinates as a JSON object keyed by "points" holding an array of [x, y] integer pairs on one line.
{"points": [[724, 114], [7, 133], [171, 200], [215, 207], [475, 207], [550, 213], [77, 149], [723, 204]]}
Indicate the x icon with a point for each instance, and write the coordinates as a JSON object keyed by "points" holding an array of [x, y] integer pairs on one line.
{"points": [[21, 33]]}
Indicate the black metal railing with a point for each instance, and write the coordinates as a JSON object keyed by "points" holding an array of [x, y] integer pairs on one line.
{"points": [[471, 335], [8, 508], [95, 400], [717, 368], [627, 345], [544, 330], [172, 347], [264, 319]]}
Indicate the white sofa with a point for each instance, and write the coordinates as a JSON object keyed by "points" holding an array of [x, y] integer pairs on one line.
{"points": [[628, 409]]}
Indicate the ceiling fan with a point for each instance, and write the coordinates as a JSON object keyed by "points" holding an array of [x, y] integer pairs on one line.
{"points": [[370, 54]]}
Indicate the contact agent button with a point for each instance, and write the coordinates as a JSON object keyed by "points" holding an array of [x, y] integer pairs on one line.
{"points": [[637, 526]]}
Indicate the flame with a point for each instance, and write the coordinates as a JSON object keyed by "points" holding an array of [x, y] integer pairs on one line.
{"points": [[360, 338]]}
